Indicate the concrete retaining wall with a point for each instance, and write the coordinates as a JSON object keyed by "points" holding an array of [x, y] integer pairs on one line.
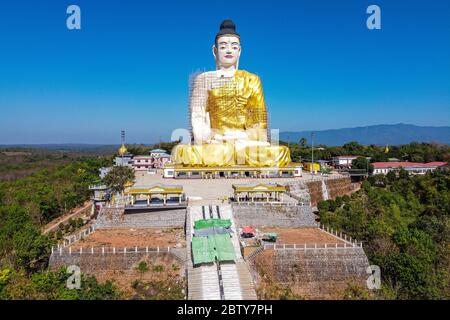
{"points": [[273, 216], [115, 218], [312, 192], [314, 273], [98, 262]]}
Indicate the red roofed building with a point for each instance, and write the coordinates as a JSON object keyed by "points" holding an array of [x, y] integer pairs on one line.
{"points": [[411, 167]]}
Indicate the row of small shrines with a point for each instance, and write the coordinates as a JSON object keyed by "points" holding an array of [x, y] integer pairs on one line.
{"points": [[174, 196]]}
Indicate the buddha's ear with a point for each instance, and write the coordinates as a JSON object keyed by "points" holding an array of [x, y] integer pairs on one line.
{"points": [[214, 51]]}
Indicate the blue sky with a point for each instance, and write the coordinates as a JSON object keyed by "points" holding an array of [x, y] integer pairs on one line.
{"points": [[128, 67]]}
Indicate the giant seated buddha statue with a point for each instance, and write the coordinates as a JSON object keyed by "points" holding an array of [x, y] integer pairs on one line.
{"points": [[228, 114]]}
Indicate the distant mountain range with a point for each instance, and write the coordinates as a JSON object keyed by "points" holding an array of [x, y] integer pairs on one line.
{"points": [[391, 134]]}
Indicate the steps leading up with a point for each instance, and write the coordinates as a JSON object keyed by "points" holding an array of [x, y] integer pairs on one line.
{"points": [[203, 281]]}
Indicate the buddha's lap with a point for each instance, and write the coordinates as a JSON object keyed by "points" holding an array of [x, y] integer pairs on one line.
{"points": [[227, 155]]}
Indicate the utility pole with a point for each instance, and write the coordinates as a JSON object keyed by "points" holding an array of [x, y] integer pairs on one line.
{"points": [[122, 136], [367, 168], [312, 154]]}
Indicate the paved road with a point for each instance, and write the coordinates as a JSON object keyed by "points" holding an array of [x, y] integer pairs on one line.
{"points": [[55, 223]]}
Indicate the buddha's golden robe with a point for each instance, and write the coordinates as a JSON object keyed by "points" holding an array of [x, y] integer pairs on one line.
{"points": [[234, 105]]}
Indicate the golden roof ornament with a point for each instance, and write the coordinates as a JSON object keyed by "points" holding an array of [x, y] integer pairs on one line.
{"points": [[122, 150]]}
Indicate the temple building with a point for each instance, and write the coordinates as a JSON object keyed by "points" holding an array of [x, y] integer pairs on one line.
{"points": [[124, 158], [343, 161], [173, 171], [157, 158], [156, 195], [311, 167], [259, 192], [411, 167], [101, 194]]}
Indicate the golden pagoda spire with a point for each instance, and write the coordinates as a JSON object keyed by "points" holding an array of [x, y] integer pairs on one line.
{"points": [[122, 150]]}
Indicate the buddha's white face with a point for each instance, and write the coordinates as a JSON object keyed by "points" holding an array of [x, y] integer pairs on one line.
{"points": [[227, 51]]}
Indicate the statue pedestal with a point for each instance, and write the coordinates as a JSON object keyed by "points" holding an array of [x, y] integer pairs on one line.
{"points": [[233, 172]]}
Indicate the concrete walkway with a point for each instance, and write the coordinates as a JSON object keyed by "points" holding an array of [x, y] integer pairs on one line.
{"points": [[228, 281]]}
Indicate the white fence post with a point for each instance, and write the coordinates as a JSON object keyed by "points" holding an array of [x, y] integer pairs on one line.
{"points": [[70, 251]]}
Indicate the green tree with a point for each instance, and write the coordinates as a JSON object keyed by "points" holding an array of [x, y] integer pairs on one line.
{"points": [[118, 177], [391, 176], [362, 163]]}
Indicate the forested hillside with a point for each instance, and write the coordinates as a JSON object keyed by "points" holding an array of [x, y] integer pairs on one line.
{"points": [[44, 187], [404, 223]]}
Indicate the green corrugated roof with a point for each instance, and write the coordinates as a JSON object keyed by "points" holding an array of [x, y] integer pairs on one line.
{"points": [[209, 223], [224, 246], [201, 252], [207, 249]]}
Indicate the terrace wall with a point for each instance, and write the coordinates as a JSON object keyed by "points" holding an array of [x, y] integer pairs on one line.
{"points": [[115, 218], [335, 187], [260, 216], [313, 274], [97, 262]]}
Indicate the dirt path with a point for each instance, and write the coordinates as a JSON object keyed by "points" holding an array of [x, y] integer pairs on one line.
{"points": [[55, 223]]}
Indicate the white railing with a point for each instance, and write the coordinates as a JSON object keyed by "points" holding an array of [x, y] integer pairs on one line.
{"points": [[346, 243], [341, 236], [68, 240], [279, 204], [110, 250], [98, 186], [310, 246], [120, 202]]}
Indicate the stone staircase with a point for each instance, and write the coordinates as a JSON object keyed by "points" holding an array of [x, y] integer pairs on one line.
{"points": [[237, 281], [299, 191], [203, 283], [223, 281]]}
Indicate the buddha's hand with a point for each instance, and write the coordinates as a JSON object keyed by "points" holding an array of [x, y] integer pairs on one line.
{"points": [[252, 143], [235, 135], [212, 141]]}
